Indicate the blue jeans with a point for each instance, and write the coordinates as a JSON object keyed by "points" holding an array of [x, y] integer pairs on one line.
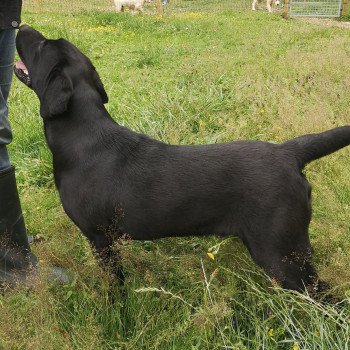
{"points": [[7, 53]]}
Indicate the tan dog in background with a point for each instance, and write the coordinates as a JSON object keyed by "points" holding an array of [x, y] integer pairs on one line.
{"points": [[133, 5], [269, 4]]}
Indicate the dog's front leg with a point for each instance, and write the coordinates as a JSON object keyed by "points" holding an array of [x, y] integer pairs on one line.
{"points": [[254, 5], [107, 255], [268, 5]]}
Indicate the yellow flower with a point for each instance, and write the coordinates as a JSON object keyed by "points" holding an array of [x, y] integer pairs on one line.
{"points": [[269, 331], [211, 256], [295, 346]]}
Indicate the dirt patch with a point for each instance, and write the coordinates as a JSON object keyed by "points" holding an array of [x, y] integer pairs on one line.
{"points": [[327, 22]]}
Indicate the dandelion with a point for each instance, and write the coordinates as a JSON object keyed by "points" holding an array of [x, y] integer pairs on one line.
{"points": [[296, 346], [269, 331], [211, 256]]}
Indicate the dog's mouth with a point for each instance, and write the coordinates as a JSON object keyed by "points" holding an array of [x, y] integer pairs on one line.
{"points": [[21, 72]]}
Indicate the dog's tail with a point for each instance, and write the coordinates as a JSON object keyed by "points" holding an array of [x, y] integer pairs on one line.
{"points": [[313, 146]]}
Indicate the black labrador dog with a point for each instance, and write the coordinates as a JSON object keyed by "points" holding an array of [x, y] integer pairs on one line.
{"points": [[113, 181]]}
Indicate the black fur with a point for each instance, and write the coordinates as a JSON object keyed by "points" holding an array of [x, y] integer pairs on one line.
{"points": [[113, 181]]}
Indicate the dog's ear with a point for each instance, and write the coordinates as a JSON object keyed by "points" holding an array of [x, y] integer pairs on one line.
{"points": [[55, 98], [99, 86]]}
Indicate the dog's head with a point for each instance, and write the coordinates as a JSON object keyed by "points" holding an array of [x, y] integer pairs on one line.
{"points": [[277, 2], [54, 69]]}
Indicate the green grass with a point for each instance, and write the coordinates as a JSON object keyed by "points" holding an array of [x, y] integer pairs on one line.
{"points": [[188, 78]]}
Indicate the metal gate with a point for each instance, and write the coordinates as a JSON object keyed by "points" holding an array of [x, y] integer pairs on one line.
{"points": [[314, 8]]}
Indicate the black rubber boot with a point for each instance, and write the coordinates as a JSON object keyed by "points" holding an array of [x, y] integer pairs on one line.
{"points": [[16, 260]]}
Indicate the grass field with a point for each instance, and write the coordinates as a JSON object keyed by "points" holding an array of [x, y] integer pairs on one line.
{"points": [[188, 78]]}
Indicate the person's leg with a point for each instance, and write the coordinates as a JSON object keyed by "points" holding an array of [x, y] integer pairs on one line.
{"points": [[15, 255], [4, 158], [7, 52], [16, 259]]}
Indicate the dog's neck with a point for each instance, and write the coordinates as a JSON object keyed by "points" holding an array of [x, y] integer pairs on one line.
{"points": [[85, 96]]}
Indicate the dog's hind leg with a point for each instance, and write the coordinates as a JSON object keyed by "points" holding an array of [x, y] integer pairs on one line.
{"points": [[279, 243], [138, 9], [290, 264]]}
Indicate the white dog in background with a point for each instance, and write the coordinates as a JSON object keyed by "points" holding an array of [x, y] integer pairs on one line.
{"points": [[133, 5], [269, 4]]}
